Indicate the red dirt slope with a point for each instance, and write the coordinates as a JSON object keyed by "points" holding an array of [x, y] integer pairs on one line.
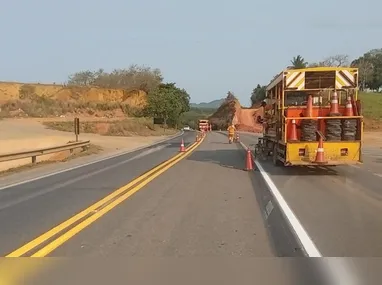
{"points": [[231, 112]]}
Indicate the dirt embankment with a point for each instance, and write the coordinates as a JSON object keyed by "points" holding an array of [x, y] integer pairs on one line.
{"points": [[232, 112], [11, 91], [50, 100], [245, 119]]}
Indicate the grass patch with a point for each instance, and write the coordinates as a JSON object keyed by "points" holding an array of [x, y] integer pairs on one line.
{"points": [[68, 126], [371, 105], [128, 127], [372, 110]]}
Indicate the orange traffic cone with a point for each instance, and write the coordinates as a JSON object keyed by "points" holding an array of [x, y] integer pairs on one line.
{"points": [[182, 148], [249, 165], [349, 108], [309, 107], [292, 136], [320, 156], [237, 137], [334, 105]]}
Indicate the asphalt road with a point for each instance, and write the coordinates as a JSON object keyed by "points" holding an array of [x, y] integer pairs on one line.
{"points": [[187, 211], [205, 206], [30, 209], [340, 207]]}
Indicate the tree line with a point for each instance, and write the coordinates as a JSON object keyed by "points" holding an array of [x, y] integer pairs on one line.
{"points": [[369, 67], [164, 100]]}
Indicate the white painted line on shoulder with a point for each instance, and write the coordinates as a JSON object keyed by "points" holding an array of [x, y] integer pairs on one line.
{"points": [[355, 166], [299, 230], [88, 163], [337, 271], [301, 233]]}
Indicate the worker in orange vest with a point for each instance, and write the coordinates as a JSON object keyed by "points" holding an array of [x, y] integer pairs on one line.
{"points": [[231, 132]]}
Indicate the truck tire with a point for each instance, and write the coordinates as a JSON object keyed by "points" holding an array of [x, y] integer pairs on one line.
{"points": [[276, 161]]}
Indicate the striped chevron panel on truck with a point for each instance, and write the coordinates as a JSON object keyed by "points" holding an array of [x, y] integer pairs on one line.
{"points": [[295, 80], [346, 79]]}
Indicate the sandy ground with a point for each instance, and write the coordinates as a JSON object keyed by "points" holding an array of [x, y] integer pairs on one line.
{"points": [[27, 134], [373, 139]]}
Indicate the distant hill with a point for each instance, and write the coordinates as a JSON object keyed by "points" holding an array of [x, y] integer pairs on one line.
{"points": [[210, 105]]}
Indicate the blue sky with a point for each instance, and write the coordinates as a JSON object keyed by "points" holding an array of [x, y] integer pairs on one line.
{"points": [[207, 47]]}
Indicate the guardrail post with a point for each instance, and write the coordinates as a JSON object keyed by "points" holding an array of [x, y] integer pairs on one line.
{"points": [[34, 158], [76, 127]]}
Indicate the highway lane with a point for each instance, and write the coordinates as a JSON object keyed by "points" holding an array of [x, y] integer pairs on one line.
{"points": [[29, 209], [203, 206], [340, 207]]}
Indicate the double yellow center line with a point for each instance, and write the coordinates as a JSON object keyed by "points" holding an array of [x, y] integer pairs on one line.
{"points": [[49, 241]]}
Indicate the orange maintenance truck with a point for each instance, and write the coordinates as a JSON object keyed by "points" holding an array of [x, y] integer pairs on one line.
{"points": [[314, 118], [204, 125]]}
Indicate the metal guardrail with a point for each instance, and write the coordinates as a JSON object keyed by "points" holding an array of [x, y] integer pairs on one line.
{"points": [[38, 152]]}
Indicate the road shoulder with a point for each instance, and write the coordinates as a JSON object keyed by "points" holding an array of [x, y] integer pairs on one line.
{"points": [[58, 166]]}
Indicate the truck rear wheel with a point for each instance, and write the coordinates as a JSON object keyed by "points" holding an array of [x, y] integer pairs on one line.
{"points": [[276, 161]]}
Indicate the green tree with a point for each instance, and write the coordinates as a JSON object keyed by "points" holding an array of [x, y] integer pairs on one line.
{"points": [[258, 94], [168, 102], [365, 69], [192, 116], [337, 60], [135, 77], [299, 62], [82, 78], [370, 69], [332, 61]]}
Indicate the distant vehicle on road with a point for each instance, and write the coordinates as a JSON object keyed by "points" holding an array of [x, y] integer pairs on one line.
{"points": [[186, 128]]}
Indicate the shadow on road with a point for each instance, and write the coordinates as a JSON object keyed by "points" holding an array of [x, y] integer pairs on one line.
{"points": [[230, 158], [298, 170]]}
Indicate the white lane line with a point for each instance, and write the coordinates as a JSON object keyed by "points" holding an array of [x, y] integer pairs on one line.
{"points": [[88, 163], [378, 174], [337, 272]]}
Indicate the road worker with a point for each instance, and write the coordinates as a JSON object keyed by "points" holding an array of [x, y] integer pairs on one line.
{"points": [[231, 132]]}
